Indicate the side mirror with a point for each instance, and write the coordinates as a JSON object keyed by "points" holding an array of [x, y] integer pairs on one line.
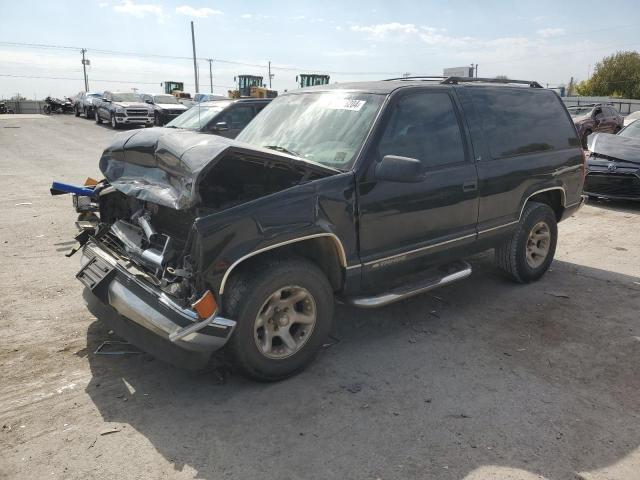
{"points": [[393, 168], [148, 101], [221, 127], [105, 99]]}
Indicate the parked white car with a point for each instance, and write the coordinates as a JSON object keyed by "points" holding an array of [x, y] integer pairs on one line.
{"points": [[632, 117]]}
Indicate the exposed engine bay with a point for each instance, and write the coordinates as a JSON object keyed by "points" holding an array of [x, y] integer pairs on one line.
{"points": [[158, 183]]}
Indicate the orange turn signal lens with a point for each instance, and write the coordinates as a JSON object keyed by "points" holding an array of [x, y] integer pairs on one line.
{"points": [[206, 305], [90, 182]]}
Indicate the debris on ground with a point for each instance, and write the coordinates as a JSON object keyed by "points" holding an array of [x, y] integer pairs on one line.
{"points": [[109, 431], [557, 295]]}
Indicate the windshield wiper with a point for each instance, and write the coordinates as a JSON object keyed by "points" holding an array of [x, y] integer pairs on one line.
{"points": [[278, 148]]}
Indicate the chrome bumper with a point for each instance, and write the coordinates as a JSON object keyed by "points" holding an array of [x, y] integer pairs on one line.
{"points": [[152, 309]]}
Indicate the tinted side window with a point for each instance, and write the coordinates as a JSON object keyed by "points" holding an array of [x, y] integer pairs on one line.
{"points": [[516, 121], [238, 117], [424, 126], [611, 112]]}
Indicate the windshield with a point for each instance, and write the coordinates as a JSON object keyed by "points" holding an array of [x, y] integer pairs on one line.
{"points": [[164, 99], [126, 97], [195, 118], [579, 111], [94, 95], [632, 130], [324, 127]]}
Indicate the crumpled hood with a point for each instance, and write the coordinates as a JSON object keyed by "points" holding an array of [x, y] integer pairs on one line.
{"points": [[615, 147], [163, 165]]}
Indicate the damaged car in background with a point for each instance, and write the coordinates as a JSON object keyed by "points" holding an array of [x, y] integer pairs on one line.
{"points": [[364, 193], [613, 164]]}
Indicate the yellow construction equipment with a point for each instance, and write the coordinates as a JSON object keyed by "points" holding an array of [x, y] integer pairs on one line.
{"points": [[251, 86]]}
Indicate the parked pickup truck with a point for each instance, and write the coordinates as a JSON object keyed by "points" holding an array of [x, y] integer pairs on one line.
{"points": [[123, 108], [362, 193]]}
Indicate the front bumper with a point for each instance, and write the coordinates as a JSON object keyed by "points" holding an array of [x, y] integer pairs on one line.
{"points": [[614, 186], [146, 316], [134, 120]]}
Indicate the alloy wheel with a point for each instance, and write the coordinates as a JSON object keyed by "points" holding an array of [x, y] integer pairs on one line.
{"points": [[285, 322], [538, 244]]}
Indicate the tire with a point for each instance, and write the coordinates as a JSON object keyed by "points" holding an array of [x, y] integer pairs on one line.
{"points": [[616, 130], [583, 140], [156, 120], [513, 256], [113, 122], [97, 117], [248, 295], [77, 111], [46, 110]]}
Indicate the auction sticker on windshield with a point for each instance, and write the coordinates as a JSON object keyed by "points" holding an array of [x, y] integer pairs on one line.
{"points": [[345, 104]]}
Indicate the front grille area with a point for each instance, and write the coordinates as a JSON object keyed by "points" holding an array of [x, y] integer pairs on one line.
{"points": [[615, 184], [137, 112]]}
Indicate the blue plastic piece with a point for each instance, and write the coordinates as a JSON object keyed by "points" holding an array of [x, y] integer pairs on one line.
{"points": [[60, 187]]}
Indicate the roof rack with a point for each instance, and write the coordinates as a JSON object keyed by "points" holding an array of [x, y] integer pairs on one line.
{"points": [[456, 80], [417, 77]]}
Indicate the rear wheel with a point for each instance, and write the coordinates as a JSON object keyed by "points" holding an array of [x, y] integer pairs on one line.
{"points": [[528, 253], [284, 314]]}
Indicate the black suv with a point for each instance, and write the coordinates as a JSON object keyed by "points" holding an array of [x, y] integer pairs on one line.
{"points": [[366, 192], [165, 107], [226, 118], [123, 109]]}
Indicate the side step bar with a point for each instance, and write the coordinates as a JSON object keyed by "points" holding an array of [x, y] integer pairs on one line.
{"points": [[458, 271]]}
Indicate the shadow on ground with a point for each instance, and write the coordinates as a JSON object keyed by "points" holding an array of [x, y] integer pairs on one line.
{"points": [[541, 377], [624, 206]]}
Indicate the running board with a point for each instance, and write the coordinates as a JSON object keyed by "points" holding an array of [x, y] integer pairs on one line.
{"points": [[457, 271]]}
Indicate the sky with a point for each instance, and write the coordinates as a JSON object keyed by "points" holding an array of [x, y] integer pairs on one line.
{"points": [[141, 43]]}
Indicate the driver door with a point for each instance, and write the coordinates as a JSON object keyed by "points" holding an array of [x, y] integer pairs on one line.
{"points": [[405, 226]]}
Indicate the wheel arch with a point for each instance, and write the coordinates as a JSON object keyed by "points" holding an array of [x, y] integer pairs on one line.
{"points": [[324, 249], [555, 197]]}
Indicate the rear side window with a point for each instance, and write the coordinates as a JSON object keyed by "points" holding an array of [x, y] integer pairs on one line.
{"points": [[518, 121]]}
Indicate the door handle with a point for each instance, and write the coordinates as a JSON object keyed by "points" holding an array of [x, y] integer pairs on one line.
{"points": [[469, 186]]}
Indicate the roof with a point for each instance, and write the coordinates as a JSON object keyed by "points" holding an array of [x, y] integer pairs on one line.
{"points": [[385, 87]]}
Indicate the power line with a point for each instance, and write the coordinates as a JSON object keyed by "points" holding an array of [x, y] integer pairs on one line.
{"points": [[94, 80], [175, 57]]}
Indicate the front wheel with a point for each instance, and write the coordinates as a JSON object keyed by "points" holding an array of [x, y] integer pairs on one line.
{"points": [[284, 314], [46, 109], [114, 123], [77, 111], [97, 118], [528, 253]]}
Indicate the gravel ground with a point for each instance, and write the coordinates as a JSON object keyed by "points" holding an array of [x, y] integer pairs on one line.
{"points": [[483, 379]]}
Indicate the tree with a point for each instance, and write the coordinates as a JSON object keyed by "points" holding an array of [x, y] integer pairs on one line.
{"points": [[617, 76]]}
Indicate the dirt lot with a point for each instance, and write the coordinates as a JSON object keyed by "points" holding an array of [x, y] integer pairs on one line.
{"points": [[482, 380]]}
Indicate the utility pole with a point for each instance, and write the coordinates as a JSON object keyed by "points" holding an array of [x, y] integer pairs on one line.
{"points": [[85, 62], [476, 70], [210, 60], [195, 66], [270, 76]]}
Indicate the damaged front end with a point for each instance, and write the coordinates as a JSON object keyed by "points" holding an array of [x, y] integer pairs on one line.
{"points": [[140, 244]]}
